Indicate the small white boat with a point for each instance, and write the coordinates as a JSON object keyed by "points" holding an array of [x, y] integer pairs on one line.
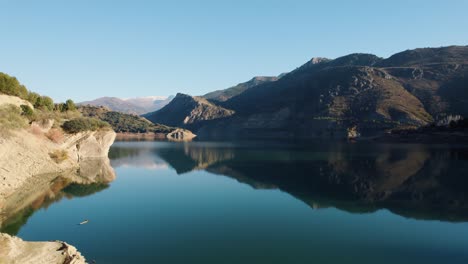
{"points": [[84, 222]]}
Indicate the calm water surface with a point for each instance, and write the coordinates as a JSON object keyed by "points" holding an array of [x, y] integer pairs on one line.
{"points": [[264, 203]]}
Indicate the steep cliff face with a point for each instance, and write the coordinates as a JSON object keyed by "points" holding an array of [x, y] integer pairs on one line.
{"points": [[187, 111], [25, 155]]}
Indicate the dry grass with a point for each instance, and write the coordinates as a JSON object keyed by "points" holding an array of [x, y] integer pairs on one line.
{"points": [[59, 155], [10, 119], [55, 135], [58, 117]]}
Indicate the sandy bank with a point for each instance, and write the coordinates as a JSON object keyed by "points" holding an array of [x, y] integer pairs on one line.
{"points": [[15, 250]]}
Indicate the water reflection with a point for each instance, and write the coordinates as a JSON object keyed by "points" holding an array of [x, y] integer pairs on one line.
{"points": [[418, 181], [93, 175]]}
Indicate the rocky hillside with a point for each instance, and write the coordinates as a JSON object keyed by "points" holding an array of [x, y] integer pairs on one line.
{"points": [[40, 141], [132, 126], [124, 123], [325, 97], [188, 111], [136, 106], [226, 94]]}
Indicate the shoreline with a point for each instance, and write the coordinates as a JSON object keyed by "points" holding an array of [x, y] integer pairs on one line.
{"points": [[27, 164]]}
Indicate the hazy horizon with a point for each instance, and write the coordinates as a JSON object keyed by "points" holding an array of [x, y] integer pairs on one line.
{"points": [[128, 49]]}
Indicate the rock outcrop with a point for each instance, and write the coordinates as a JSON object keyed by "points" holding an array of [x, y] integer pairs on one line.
{"points": [[180, 135], [25, 155], [15, 250], [188, 111], [13, 100], [28, 163]]}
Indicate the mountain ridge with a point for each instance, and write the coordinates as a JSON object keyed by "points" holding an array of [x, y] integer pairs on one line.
{"points": [[134, 105], [411, 89]]}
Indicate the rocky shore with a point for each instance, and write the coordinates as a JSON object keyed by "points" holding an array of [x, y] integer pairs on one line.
{"points": [[15, 250], [29, 160]]}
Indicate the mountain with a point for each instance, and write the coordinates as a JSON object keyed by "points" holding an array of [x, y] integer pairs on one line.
{"points": [[138, 105], [185, 111], [226, 94], [326, 97]]}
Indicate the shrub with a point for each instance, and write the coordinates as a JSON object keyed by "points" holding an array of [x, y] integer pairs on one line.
{"points": [[59, 155], [83, 124], [32, 97], [10, 85], [10, 119], [45, 103], [70, 105], [27, 111], [55, 135]]}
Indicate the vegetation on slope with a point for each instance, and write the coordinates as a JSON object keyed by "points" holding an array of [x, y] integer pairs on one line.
{"points": [[124, 123], [65, 115], [83, 124], [10, 119]]}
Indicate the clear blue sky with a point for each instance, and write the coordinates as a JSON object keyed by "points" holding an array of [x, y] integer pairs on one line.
{"points": [[84, 49]]}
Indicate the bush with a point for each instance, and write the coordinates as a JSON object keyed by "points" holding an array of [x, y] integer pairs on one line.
{"points": [[10, 85], [32, 97], [83, 124], [44, 103], [27, 111], [70, 105]]}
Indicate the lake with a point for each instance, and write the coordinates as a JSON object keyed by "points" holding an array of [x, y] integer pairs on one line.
{"points": [[261, 202]]}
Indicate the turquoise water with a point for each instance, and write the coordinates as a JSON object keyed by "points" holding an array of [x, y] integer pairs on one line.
{"points": [[267, 203]]}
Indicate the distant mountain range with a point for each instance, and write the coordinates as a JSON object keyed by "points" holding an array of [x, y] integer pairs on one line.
{"points": [[137, 106], [325, 97]]}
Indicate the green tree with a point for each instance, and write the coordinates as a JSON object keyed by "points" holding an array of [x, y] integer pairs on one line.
{"points": [[45, 103], [70, 105], [48, 103], [10, 85], [26, 110], [32, 97], [60, 107]]}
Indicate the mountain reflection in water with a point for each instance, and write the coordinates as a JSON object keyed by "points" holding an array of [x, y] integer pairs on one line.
{"points": [[418, 181]]}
